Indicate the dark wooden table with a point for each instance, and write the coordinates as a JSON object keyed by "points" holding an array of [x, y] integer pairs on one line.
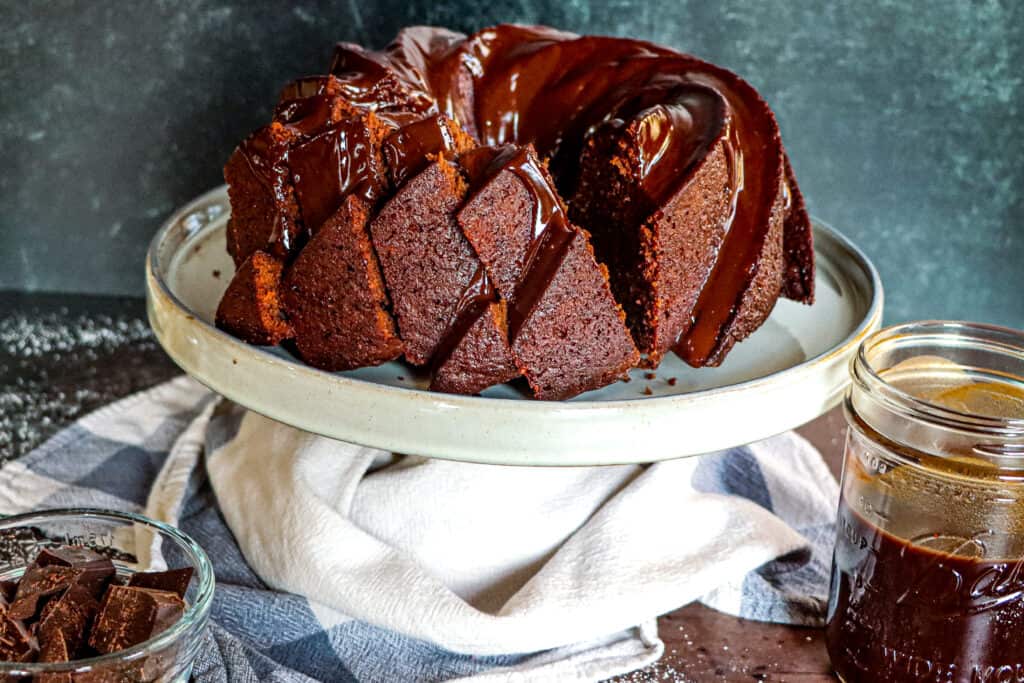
{"points": [[63, 356]]}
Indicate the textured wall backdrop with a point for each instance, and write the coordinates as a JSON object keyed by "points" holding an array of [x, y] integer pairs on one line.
{"points": [[904, 120]]}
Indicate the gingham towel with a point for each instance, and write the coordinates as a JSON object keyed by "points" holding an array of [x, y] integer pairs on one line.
{"points": [[340, 563]]}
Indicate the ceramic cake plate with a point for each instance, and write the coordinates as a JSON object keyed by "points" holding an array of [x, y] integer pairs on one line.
{"points": [[793, 369]]}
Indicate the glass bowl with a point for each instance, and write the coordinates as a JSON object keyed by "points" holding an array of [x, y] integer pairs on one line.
{"points": [[135, 544]]}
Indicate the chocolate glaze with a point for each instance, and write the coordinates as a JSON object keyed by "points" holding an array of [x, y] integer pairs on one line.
{"points": [[407, 151], [478, 295], [674, 137], [330, 165], [306, 105], [549, 88], [267, 157], [755, 159]]}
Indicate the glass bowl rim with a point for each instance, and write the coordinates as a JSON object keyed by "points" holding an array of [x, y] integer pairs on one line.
{"points": [[195, 612]]}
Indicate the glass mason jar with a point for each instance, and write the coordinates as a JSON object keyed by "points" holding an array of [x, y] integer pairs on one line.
{"points": [[134, 543], [928, 572]]}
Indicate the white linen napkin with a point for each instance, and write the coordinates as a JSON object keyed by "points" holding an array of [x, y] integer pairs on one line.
{"points": [[487, 560]]}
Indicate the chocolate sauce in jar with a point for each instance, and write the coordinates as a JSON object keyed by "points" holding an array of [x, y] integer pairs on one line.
{"points": [[925, 609], [928, 572]]}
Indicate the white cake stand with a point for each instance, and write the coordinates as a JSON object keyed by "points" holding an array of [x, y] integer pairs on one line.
{"points": [[790, 371]]}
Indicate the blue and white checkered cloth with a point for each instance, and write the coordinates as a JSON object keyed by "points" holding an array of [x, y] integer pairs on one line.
{"points": [[747, 531]]}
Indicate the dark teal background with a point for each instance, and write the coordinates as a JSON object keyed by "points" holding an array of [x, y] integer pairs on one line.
{"points": [[903, 120]]}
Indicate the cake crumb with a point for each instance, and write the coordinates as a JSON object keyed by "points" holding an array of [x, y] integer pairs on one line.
{"points": [[648, 391], [650, 375], [672, 381], [627, 379], [216, 273], [401, 378]]}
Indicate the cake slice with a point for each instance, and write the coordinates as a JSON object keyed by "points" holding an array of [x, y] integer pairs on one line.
{"points": [[334, 295], [445, 308], [426, 261], [566, 331], [699, 240], [751, 270], [251, 306], [658, 216]]}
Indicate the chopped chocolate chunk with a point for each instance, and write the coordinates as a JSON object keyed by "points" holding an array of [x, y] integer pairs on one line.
{"points": [[69, 615], [95, 569], [54, 649], [70, 604], [17, 644], [172, 580], [37, 584], [130, 615]]}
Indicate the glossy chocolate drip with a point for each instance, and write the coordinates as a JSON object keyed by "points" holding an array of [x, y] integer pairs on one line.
{"points": [[378, 80], [674, 137], [266, 154], [478, 295], [408, 150], [329, 166], [301, 88], [306, 106]]}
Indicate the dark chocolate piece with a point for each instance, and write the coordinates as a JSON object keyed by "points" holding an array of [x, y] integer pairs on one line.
{"points": [[37, 584], [171, 580], [69, 615], [55, 649], [129, 616], [17, 644], [95, 570]]}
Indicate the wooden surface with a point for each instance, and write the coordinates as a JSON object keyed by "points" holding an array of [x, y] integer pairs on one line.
{"points": [[63, 356]]}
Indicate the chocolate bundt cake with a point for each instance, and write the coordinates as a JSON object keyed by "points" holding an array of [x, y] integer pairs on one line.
{"points": [[521, 202]]}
